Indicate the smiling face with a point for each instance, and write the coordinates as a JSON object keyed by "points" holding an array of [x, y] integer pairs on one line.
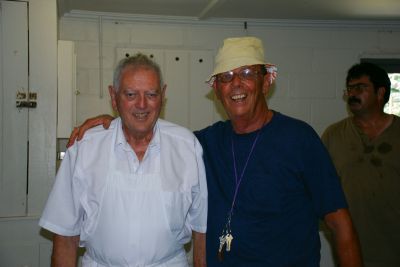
{"points": [[138, 100], [243, 97]]}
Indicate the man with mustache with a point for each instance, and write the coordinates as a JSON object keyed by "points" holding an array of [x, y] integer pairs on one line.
{"points": [[365, 148]]}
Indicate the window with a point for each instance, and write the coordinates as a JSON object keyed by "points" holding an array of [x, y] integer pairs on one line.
{"points": [[393, 105]]}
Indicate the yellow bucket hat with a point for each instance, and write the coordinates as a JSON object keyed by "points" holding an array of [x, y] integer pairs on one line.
{"points": [[238, 52]]}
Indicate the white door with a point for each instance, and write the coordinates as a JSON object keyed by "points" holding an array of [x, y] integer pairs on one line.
{"points": [[13, 120]]}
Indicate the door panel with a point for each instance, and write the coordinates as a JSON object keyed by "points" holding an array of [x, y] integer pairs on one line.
{"points": [[13, 120]]}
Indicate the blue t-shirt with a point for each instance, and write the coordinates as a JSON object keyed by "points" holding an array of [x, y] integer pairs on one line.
{"points": [[289, 183]]}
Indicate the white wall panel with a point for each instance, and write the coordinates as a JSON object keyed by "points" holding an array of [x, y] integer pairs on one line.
{"points": [[322, 86], [176, 74], [23, 244], [201, 97], [90, 106], [13, 120], [155, 54], [144, 34], [66, 103], [19, 255]]}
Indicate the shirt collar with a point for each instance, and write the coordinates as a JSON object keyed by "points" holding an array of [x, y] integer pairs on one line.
{"points": [[120, 140]]}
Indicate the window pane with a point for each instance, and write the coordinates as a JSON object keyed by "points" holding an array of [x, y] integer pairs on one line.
{"points": [[393, 105]]}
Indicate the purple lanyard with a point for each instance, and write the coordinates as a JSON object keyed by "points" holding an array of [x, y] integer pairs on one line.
{"points": [[226, 236], [239, 180]]}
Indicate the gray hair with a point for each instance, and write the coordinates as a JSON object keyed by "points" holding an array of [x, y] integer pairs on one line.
{"points": [[139, 60]]}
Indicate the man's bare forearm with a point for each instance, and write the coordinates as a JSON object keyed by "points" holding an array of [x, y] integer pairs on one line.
{"points": [[199, 249], [345, 238], [64, 251]]}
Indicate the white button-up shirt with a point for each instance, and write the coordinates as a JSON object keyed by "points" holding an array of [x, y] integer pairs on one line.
{"points": [[130, 213]]}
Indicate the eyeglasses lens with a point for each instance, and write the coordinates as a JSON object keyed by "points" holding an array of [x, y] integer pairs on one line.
{"points": [[244, 74], [357, 88]]}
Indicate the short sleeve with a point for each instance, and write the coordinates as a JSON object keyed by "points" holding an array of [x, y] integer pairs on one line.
{"points": [[322, 180], [62, 213], [198, 211]]}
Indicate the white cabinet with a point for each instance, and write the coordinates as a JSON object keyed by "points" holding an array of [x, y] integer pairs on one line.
{"points": [[66, 107]]}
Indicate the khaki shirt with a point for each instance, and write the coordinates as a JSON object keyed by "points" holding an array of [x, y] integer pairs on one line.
{"points": [[370, 175]]}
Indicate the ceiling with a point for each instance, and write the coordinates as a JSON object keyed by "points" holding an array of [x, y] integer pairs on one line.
{"points": [[383, 10]]}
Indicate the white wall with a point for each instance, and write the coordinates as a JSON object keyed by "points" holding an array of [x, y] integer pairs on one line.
{"points": [[312, 57]]}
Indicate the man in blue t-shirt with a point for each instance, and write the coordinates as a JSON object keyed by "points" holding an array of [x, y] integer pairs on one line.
{"points": [[269, 177]]}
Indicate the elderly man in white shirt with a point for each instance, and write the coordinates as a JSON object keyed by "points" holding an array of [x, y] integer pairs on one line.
{"points": [[134, 194]]}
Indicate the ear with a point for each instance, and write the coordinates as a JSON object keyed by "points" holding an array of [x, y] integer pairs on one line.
{"points": [[215, 89], [381, 93], [163, 89], [267, 82], [113, 96]]}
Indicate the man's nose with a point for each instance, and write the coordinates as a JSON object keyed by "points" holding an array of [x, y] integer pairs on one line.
{"points": [[141, 101], [350, 92], [236, 79]]}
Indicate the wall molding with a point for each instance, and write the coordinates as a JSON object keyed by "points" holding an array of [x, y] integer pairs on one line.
{"points": [[386, 25]]}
